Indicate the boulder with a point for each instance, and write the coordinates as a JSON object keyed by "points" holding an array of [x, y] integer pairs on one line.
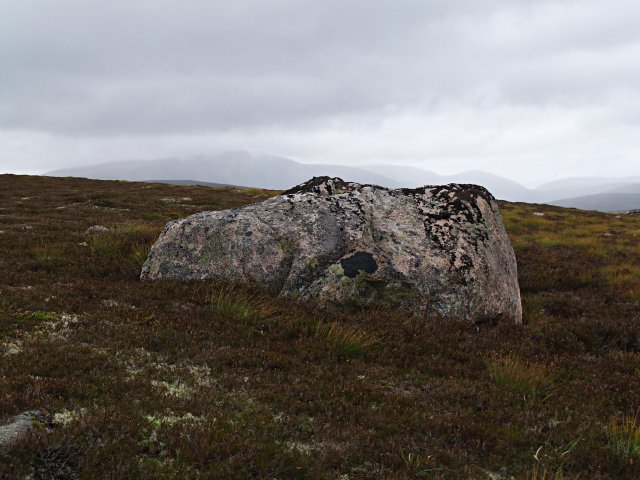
{"points": [[435, 250]]}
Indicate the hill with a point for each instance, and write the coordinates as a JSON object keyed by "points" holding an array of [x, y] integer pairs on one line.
{"points": [[234, 168], [202, 379], [408, 176], [607, 202], [591, 193], [194, 183], [268, 171]]}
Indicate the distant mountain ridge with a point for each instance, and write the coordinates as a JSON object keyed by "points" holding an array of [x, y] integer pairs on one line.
{"points": [[234, 168], [274, 172], [195, 183], [605, 202], [265, 171]]}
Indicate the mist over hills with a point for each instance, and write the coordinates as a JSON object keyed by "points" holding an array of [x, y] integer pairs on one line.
{"points": [[604, 202], [231, 168], [274, 172]]}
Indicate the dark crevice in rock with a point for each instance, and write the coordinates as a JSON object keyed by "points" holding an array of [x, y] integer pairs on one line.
{"points": [[358, 262]]}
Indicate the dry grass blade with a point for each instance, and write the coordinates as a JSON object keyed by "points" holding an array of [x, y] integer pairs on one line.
{"points": [[529, 379], [47, 252], [346, 339], [238, 305], [624, 436], [109, 246], [127, 244], [539, 472]]}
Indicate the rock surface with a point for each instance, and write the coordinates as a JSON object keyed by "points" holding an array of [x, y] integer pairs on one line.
{"points": [[436, 250], [96, 230], [19, 425]]}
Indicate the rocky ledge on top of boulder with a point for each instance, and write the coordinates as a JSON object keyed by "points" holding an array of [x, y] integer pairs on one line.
{"points": [[436, 250]]}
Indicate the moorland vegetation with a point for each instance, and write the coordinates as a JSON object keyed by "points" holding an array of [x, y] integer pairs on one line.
{"points": [[208, 380]]}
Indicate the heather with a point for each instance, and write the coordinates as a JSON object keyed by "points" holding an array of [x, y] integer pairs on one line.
{"points": [[208, 380]]}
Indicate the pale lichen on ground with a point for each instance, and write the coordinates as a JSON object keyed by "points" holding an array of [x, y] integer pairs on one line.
{"points": [[11, 347]]}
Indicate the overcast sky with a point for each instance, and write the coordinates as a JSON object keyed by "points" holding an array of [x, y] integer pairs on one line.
{"points": [[529, 89]]}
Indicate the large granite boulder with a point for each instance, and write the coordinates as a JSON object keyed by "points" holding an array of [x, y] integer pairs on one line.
{"points": [[436, 250]]}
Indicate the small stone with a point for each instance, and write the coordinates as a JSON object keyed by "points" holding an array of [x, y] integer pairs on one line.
{"points": [[607, 234], [96, 230], [538, 214]]}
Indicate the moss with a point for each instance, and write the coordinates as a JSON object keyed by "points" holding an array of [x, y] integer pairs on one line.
{"points": [[44, 316], [336, 269], [400, 294], [312, 262]]}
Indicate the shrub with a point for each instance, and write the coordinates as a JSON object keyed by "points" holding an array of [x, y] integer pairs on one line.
{"points": [[530, 380], [347, 340]]}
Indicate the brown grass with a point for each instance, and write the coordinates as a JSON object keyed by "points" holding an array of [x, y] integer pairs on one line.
{"points": [[347, 340], [624, 436], [528, 379]]}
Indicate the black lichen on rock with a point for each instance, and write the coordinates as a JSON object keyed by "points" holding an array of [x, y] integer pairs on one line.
{"points": [[358, 262]]}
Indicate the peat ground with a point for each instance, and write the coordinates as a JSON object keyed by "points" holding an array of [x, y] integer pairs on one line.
{"points": [[205, 380]]}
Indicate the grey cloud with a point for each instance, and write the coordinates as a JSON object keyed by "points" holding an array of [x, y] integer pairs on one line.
{"points": [[143, 68]]}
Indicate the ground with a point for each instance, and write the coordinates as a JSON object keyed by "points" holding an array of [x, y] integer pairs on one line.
{"points": [[204, 380]]}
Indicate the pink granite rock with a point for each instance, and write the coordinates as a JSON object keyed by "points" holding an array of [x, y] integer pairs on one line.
{"points": [[436, 250]]}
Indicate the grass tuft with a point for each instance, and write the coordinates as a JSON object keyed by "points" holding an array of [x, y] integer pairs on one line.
{"points": [[539, 472], [48, 252], [418, 466], [109, 246], [347, 340], [529, 379], [233, 303], [127, 244], [624, 436]]}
